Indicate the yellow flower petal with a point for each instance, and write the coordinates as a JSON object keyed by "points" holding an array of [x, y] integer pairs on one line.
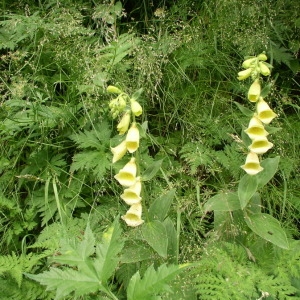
{"points": [[133, 138], [256, 129], [136, 108], [252, 166], [132, 194], [119, 151], [254, 91], [124, 123], [133, 215], [127, 175], [244, 74], [264, 112], [260, 145]]}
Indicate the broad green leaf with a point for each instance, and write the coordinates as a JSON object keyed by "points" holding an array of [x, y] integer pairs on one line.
{"points": [[136, 95], [246, 111], [136, 251], [151, 171], [266, 90], [153, 282], [160, 207], [268, 228], [246, 189], [107, 251], [155, 235], [270, 166], [223, 202], [172, 241], [254, 204]]}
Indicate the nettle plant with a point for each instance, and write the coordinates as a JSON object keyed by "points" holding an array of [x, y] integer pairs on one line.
{"points": [[244, 206]]}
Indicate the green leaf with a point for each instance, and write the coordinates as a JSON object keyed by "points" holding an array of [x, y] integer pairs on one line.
{"points": [[155, 235], [136, 95], [246, 189], [153, 282], [172, 241], [254, 204], [151, 171], [160, 207], [136, 251], [223, 202], [266, 90], [246, 111], [107, 252], [268, 228], [270, 166]]}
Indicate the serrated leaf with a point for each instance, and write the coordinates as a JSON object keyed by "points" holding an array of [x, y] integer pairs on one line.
{"points": [[270, 166], [151, 171], [66, 282], [246, 111], [107, 251], [160, 207], [153, 282], [246, 189], [268, 228], [156, 236], [223, 202]]}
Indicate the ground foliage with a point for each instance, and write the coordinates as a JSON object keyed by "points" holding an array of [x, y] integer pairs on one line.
{"points": [[61, 237]]}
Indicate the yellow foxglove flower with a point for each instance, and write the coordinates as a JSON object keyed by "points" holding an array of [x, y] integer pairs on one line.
{"points": [[132, 194], [124, 123], [260, 145], [136, 108], [256, 129], [248, 62], [127, 175], [244, 74], [133, 138], [252, 166], [262, 56], [113, 90], [264, 112], [254, 91], [133, 215], [264, 69], [119, 151]]}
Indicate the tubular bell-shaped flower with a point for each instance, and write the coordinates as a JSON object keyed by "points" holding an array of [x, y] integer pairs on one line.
{"points": [[133, 138], [132, 194], [136, 108], [254, 91], [244, 74], [124, 123], [260, 145], [119, 151], [256, 129], [133, 215], [264, 112], [252, 166], [127, 175]]}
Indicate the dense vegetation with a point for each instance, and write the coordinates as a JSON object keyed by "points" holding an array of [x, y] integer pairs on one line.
{"points": [[70, 70]]}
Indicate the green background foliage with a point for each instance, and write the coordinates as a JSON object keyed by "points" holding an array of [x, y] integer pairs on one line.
{"points": [[59, 202]]}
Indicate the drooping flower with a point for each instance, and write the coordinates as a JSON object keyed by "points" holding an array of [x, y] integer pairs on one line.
{"points": [[127, 175], [249, 62], [260, 145], [131, 195], [244, 74], [119, 151], [113, 90], [133, 138], [256, 129], [252, 166], [254, 91], [133, 215], [136, 108], [124, 123], [264, 69], [262, 56], [264, 112]]}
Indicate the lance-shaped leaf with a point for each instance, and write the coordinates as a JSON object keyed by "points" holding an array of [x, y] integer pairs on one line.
{"points": [[223, 202], [153, 282], [246, 189], [151, 171], [268, 228], [270, 166]]}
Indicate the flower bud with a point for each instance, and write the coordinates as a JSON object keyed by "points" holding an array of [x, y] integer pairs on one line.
{"points": [[252, 166], [260, 145], [133, 138], [119, 151], [248, 62], [136, 108], [262, 56], [256, 129], [121, 102], [133, 215], [132, 194], [264, 112], [124, 123], [113, 90], [254, 91], [264, 69], [244, 74], [127, 175]]}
